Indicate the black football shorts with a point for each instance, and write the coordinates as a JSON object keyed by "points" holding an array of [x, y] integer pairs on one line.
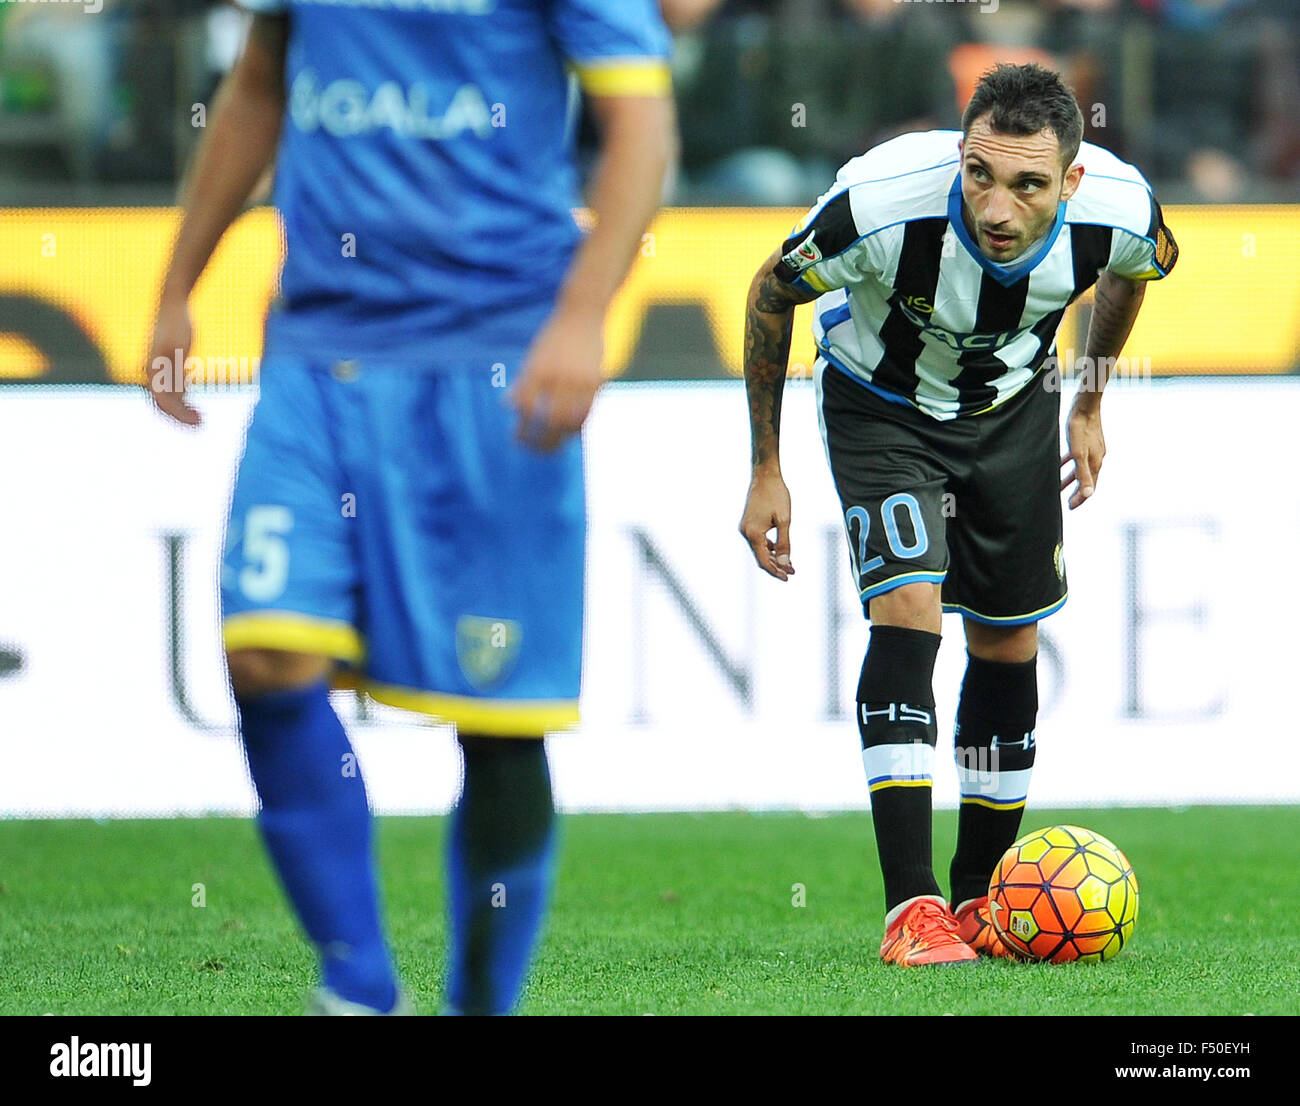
{"points": [[973, 503]]}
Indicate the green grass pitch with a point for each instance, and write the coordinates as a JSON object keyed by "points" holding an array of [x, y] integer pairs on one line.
{"points": [[654, 914]]}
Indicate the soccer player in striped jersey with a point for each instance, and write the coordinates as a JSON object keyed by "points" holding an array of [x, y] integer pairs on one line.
{"points": [[941, 264], [396, 523]]}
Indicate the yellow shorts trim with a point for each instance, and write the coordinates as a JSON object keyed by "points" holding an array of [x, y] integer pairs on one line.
{"points": [[995, 806], [900, 783], [1007, 619], [489, 717], [625, 77], [300, 633], [293, 633]]}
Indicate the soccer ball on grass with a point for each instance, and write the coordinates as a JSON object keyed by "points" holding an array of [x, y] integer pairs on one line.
{"points": [[1064, 893]]}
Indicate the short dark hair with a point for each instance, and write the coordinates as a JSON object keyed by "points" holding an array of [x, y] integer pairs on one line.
{"points": [[1025, 99]]}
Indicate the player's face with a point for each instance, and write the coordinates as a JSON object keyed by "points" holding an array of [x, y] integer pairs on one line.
{"points": [[1011, 185]]}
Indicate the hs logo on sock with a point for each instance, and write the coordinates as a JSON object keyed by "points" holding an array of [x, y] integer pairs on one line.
{"points": [[897, 712], [1025, 741]]}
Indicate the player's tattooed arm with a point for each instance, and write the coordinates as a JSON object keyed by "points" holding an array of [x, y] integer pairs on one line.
{"points": [[1114, 311], [769, 327], [769, 324]]}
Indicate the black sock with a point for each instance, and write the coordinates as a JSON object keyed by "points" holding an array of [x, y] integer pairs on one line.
{"points": [[896, 721], [501, 843], [994, 746], [505, 806]]}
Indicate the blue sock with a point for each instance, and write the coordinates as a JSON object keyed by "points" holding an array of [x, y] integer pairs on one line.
{"points": [[500, 860], [316, 823]]}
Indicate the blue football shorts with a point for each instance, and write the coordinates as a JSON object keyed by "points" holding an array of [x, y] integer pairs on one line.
{"points": [[385, 517]]}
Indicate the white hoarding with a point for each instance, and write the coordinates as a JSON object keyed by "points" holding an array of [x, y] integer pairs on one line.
{"points": [[1165, 679]]}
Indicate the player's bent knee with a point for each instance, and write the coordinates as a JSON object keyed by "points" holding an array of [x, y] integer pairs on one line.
{"points": [[255, 672], [1006, 644], [915, 606]]}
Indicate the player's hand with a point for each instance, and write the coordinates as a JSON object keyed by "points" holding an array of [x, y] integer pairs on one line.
{"points": [[560, 378], [165, 371], [1086, 447], [767, 508]]}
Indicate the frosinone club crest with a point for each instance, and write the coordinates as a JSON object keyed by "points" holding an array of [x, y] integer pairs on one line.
{"points": [[487, 648]]}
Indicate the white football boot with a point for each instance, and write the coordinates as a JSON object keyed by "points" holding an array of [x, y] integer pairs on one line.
{"points": [[324, 1003]]}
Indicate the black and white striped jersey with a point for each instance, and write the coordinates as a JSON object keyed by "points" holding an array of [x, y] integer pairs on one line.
{"points": [[913, 309]]}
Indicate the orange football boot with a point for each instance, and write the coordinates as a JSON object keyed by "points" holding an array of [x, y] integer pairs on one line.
{"points": [[976, 928], [925, 933]]}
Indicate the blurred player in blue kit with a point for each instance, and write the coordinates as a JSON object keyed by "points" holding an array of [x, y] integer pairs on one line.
{"points": [[409, 514]]}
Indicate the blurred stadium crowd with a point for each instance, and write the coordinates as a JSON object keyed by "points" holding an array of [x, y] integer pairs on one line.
{"points": [[97, 98]]}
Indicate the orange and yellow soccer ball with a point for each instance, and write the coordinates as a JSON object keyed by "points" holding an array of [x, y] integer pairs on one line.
{"points": [[1064, 893]]}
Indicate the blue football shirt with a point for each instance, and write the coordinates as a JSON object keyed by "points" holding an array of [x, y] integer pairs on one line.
{"points": [[425, 173]]}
